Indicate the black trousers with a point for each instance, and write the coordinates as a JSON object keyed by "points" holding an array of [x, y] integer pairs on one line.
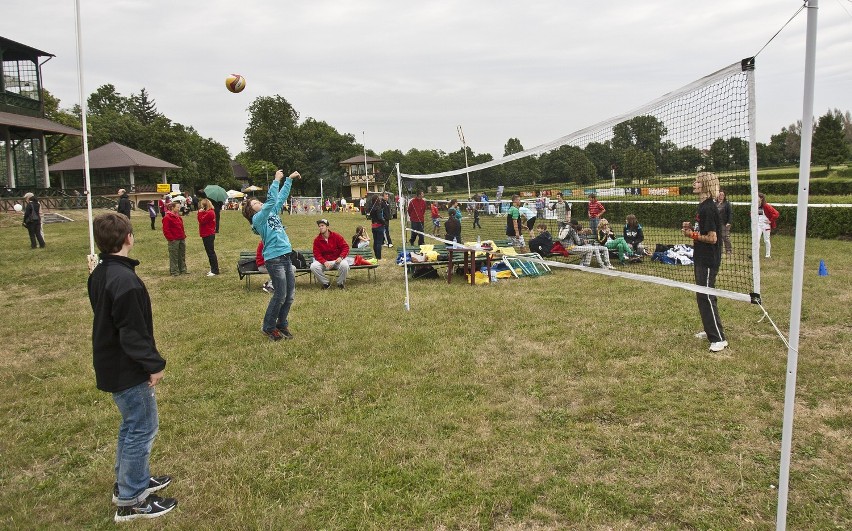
{"points": [[34, 228], [211, 254], [706, 276], [416, 225]]}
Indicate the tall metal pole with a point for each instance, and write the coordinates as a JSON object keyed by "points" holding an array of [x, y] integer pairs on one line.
{"points": [[798, 266], [92, 258], [464, 147], [366, 178], [404, 239], [322, 203]]}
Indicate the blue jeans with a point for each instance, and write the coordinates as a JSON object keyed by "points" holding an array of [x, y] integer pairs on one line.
{"points": [[284, 282], [593, 224], [139, 424]]}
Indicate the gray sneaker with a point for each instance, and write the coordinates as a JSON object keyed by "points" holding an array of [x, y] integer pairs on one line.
{"points": [[718, 346]]}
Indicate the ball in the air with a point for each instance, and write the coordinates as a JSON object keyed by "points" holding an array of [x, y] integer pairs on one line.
{"points": [[235, 83], [18, 207]]}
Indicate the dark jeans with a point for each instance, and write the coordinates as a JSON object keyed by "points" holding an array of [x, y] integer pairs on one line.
{"points": [[378, 241], [211, 253], [416, 225], [153, 219], [387, 233], [706, 276], [284, 282], [34, 228]]}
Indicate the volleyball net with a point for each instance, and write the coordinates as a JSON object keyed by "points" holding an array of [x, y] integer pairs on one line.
{"points": [[640, 166]]}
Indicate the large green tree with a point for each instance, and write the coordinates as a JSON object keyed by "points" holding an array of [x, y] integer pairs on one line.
{"points": [[272, 132], [567, 164], [644, 133], [521, 172], [828, 146]]}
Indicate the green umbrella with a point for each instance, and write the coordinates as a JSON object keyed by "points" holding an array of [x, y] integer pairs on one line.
{"points": [[214, 192]]}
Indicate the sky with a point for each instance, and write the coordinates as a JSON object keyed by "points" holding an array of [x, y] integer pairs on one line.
{"points": [[401, 75]]}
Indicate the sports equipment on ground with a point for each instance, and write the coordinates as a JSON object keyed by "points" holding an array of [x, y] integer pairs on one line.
{"points": [[235, 83]]}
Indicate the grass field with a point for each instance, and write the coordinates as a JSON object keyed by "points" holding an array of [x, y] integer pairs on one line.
{"points": [[566, 401]]}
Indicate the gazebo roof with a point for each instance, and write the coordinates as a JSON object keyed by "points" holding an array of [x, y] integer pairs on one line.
{"points": [[19, 123], [114, 155], [359, 159], [15, 51]]}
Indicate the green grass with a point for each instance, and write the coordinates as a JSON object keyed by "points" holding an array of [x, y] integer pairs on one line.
{"points": [[565, 401]]}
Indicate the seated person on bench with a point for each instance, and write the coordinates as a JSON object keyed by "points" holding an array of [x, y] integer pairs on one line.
{"points": [[330, 251]]}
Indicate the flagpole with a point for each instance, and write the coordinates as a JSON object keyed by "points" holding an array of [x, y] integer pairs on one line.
{"points": [[92, 258]]}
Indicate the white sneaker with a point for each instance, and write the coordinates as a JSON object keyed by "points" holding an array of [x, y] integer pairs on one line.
{"points": [[610, 267], [718, 346], [701, 335], [211, 274]]}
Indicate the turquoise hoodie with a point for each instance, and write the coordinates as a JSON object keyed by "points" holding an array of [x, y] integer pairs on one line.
{"points": [[268, 225]]}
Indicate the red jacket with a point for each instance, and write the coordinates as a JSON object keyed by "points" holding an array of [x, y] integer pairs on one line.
{"points": [[206, 223], [770, 213], [416, 209], [258, 255], [330, 250], [173, 227]]}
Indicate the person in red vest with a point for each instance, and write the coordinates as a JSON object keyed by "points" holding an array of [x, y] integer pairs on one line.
{"points": [[330, 252]]}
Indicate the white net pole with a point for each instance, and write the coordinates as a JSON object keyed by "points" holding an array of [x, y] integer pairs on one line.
{"points": [[798, 267], [404, 239], [92, 258]]}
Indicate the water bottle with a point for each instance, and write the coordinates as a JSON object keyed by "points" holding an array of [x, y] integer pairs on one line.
{"points": [[478, 241]]}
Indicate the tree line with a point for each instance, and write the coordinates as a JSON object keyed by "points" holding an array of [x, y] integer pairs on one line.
{"points": [[275, 137]]}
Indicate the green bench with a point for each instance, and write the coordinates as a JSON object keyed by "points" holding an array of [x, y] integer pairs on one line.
{"points": [[247, 267], [366, 253]]}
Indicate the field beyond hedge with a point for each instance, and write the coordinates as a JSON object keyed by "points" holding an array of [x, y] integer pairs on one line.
{"points": [[568, 401]]}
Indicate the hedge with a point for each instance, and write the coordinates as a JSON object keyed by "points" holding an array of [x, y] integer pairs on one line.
{"points": [[833, 186], [829, 223]]}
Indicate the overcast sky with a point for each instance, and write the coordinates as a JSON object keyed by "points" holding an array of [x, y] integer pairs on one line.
{"points": [[407, 73]]}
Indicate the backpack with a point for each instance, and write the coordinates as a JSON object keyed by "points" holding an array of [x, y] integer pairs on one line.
{"points": [[298, 260]]}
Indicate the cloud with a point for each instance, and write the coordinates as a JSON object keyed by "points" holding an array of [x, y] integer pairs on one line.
{"points": [[408, 73]]}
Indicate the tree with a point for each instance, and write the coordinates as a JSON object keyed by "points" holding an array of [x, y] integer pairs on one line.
{"points": [[644, 133], [828, 145], [272, 131], [602, 156], [639, 165], [143, 107], [106, 99], [518, 172], [567, 163], [792, 142], [737, 152]]}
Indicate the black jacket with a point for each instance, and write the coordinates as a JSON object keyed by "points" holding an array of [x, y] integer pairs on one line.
{"points": [[124, 205], [32, 214], [124, 351]]}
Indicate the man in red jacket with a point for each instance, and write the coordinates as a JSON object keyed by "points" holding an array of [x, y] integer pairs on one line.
{"points": [[416, 212], [330, 251]]}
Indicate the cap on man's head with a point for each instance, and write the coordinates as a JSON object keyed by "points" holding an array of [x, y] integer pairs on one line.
{"points": [[323, 221]]}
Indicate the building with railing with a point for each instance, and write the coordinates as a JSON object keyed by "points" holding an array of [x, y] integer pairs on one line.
{"points": [[361, 175], [23, 127]]}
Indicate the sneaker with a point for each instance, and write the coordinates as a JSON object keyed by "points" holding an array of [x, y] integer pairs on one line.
{"points": [[701, 335], [267, 287], [610, 267], [718, 346], [326, 286], [340, 286], [285, 333], [390, 245], [211, 274], [152, 507], [154, 484], [273, 335]]}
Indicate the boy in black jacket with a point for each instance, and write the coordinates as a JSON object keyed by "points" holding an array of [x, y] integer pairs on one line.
{"points": [[128, 365]]}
